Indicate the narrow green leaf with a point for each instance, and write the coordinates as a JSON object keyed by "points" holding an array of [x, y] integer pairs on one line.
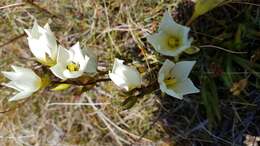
{"points": [[227, 77], [203, 6], [210, 101]]}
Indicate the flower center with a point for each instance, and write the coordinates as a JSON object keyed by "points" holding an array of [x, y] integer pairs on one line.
{"points": [[50, 61], [73, 67], [170, 81], [173, 42]]}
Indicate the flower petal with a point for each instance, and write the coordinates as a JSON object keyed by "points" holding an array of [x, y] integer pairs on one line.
{"points": [[28, 77], [119, 81], [185, 87], [182, 69], [124, 76], [91, 60], [129, 74], [170, 92], [38, 51], [47, 28], [28, 32], [10, 75], [158, 41], [24, 78], [41, 42], [13, 85], [20, 95], [18, 69], [78, 57], [91, 66], [58, 70], [64, 56], [74, 74], [28, 80], [35, 30], [170, 29], [50, 41], [168, 25], [77, 53], [133, 78], [165, 70], [117, 64], [51, 44]]}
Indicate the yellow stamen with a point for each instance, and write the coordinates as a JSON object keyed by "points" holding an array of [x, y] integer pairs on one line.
{"points": [[73, 67], [170, 81], [173, 42]]}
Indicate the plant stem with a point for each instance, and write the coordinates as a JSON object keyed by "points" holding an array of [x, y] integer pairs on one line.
{"points": [[12, 40], [150, 88], [82, 84], [40, 8]]}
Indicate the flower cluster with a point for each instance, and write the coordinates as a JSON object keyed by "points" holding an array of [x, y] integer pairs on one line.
{"points": [[170, 40]]}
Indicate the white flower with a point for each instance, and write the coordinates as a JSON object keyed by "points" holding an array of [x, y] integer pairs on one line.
{"points": [[124, 76], [173, 78], [42, 43], [23, 80], [72, 63], [172, 38]]}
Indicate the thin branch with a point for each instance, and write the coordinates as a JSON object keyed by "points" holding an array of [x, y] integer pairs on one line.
{"points": [[244, 3], [11, 5], [40, 8], [77, 104], [12, 40], [16, 137], [82, 84], [223, 49]]}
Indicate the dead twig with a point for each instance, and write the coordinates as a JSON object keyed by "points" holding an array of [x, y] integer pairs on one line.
{"points": [[82, 84], [12, 5], [223, 49], [41, 8], [12, 40]]}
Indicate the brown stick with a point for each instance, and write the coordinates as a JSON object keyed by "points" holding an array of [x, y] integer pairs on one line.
{"points": [[12, 40], [82, 84], [40, 8], [12, 6]]}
